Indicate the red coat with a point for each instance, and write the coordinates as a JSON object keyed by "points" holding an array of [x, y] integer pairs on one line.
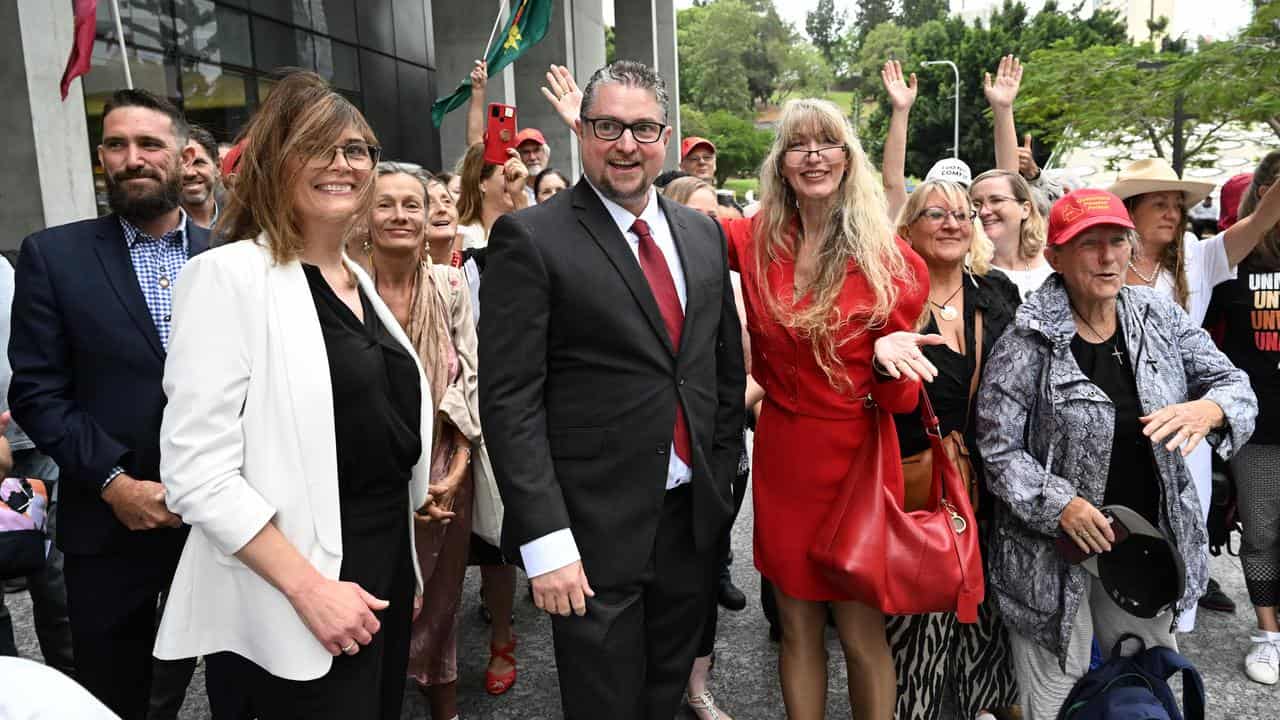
{"points": [[808, 431]]}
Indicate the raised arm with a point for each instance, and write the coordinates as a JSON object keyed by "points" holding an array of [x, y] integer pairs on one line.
{"points": [[563, 94], [475, 111], [1240, 239], [902, 95], [1001, 93]]}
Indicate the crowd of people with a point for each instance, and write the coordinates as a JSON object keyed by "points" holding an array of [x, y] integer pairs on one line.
{"points": [[289, 392]]}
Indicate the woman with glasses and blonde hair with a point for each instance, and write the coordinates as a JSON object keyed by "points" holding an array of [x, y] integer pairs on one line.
{"points": [[1012, 221], [832, 299], [970, 306], [296, 439]]}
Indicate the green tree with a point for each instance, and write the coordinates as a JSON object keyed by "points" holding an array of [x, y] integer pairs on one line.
{"points": [[712, 50], [804, 72], [870, 14], [1179, 104], [975, 49], [740, 145], [825, 24], [915, 13]]}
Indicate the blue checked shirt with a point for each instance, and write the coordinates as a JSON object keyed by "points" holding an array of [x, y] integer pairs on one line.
{"points": [[157, 263]]}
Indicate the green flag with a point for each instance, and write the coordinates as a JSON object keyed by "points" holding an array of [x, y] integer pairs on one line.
{"points": [[524, 29]]}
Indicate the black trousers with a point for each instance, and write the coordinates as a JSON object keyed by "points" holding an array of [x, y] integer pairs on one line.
{"points": [[707, 645], [112, 601], [629, 657]]}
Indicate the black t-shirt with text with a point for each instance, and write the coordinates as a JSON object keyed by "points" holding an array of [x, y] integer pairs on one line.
{"points": [[1248, 311]]}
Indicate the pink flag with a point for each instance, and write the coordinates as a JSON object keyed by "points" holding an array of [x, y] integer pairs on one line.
{"points": [[81, 59]]}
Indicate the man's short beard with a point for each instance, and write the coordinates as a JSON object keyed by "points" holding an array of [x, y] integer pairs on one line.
{"points": [[146, 207], [205, 194]]}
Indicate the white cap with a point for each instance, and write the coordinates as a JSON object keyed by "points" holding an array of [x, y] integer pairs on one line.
{"points": [[950, 169]]}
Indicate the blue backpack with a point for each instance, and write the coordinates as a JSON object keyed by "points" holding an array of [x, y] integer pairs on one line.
{"points": [[1136, 688]]}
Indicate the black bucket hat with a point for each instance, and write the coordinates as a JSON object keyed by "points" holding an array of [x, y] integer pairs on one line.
{"points": [[1143, 573]]}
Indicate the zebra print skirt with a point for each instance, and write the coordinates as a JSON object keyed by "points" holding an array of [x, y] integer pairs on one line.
{"points": [[944, 664]]}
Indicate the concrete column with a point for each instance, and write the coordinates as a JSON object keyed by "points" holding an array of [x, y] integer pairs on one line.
{"points": [[669, 69], [645, 31], [461, 30], [575, 40], [47, 139]]}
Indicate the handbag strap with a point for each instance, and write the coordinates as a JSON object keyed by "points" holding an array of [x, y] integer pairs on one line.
{"points": [[977, 365]]}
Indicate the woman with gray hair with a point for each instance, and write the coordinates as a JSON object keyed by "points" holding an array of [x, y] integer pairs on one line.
{"points": [[1093, 398], [433, 305]]}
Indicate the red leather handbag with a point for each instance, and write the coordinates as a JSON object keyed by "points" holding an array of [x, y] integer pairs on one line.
{"points": [[904, 563]]}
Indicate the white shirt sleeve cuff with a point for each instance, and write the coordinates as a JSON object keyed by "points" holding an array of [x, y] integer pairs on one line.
{"points": [[549, 552]]}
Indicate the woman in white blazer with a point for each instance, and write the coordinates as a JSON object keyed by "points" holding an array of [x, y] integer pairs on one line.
{"points": [[294, 442]]}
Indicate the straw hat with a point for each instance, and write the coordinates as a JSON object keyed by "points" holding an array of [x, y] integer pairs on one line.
{"points": [[1155, 175]]}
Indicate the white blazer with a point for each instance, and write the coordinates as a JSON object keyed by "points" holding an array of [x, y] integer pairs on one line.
{"points": [[247, 439]]}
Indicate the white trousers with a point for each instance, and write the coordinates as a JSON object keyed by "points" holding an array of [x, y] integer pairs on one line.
{"points": [[1042, 683]]}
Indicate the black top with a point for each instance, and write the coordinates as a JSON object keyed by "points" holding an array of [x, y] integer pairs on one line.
{"points": [[998, 299], [1131, 476], [376, 401], [1247, 310]]}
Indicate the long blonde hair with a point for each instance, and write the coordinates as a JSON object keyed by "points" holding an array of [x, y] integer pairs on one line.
{"points": [[1033, 230], [981, 249], [859, 233], [474, 170]]}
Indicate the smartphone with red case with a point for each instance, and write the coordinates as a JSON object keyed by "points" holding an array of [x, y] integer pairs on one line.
{"points": [[500, 133]]}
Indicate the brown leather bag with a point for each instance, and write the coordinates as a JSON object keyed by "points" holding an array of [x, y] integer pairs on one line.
{"points": [[917, 469]]}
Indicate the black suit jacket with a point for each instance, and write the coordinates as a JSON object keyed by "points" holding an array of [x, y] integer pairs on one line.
{"points": [[579, 381], [87, 365]]}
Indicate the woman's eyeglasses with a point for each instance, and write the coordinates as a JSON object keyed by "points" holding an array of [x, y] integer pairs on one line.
{"points": [[359, 155], [798, 157], [938, 215]]}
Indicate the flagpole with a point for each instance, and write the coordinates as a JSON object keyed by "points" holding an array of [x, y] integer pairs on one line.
{"points": [[502, 6], [124, 49]]}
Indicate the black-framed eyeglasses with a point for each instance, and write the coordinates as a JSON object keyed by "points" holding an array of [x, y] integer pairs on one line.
{"points": [[608, 129], [359, 155], [799, 156], [937, 215]]}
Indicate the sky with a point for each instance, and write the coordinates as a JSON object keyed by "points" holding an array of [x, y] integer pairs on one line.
{"points": [[1218, 19]]}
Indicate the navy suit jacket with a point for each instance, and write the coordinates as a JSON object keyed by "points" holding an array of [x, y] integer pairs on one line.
{"points": [[87, 365]]}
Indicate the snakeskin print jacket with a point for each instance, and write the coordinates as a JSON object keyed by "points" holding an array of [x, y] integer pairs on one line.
{"points": [[1045, 433]]}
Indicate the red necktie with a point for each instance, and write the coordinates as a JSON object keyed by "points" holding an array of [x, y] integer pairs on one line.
{"points": [[658, 274]]}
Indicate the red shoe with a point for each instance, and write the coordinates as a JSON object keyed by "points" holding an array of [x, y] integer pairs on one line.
{"points": [[497, 684]]}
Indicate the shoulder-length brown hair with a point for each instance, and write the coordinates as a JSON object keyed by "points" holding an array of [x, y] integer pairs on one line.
{"points": [[1174, 257], [474, 170], [301, 119]]}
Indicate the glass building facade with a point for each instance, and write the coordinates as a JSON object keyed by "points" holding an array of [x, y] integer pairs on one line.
{"points": [[215, 59]]}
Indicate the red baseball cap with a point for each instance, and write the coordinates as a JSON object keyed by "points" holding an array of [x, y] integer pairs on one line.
{"points": [[1078, 211], [232, 159], [692, 142], [1229, 199], [529, 134]]}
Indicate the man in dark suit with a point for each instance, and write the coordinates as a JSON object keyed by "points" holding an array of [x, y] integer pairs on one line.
{"points": [[611, 397], [90, 324]]}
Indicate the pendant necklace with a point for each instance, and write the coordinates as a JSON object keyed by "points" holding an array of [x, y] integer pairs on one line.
{"points": [[1115, 347], [1148, 280], [946, 310]]}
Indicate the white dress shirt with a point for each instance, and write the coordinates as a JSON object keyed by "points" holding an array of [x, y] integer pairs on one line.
{"points": [[558, 549]]}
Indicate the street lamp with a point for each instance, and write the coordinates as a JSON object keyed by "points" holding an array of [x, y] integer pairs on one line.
{"points": [[955, 149]]}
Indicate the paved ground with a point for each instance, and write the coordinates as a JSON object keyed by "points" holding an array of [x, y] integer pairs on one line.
{"points": [[745, 679]]}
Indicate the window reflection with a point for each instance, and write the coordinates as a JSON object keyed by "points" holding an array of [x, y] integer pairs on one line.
{"points": [[147, 23], [215, 98], [276, 46], [337, 63], [213, 33]]}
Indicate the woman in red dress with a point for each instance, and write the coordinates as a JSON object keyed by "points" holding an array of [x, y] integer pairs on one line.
{"points": [[831, 297]]}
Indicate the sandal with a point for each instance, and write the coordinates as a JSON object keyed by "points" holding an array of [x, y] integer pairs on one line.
{"points": [[497, 684], [704, 707]]}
